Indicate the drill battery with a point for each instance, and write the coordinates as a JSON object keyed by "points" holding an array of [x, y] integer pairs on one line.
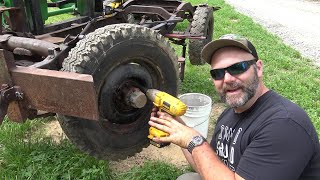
{"points": [[153, 132]]}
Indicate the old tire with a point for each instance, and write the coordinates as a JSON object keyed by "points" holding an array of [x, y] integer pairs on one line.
{"points": [[202, 24], [116, 56]]}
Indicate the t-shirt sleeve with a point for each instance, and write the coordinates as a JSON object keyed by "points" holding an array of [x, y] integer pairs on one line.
{"points": [[280, 149]]}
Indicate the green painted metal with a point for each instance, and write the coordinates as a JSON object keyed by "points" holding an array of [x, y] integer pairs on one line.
{"points": [[6, 3], [81, 7], [44, 9], [61, 11]]}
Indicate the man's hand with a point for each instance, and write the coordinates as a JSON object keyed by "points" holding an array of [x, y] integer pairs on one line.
{"points": [[179, 133], [156, 110], [203, 159]]}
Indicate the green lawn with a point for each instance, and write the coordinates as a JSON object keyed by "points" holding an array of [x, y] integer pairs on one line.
{"points": [[25, 155]]}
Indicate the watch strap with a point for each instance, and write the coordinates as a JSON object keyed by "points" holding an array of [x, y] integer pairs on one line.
{"points": [[194, 144]]}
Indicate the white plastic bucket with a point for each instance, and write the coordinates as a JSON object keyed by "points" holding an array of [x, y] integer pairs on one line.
{"points": [[198, 111]]}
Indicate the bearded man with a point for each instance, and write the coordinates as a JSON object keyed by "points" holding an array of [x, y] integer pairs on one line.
{"points": [[261, 135]]}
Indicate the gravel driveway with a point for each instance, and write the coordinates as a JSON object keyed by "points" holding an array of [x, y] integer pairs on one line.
{"points": [[297, 22]]}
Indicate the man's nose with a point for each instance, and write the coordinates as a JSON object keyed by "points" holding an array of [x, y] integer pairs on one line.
{"points": [[228, 77]]}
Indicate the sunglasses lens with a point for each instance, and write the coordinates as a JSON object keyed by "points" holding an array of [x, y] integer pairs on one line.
{"points": [[217, 74], [235, 69], [238, 68]]}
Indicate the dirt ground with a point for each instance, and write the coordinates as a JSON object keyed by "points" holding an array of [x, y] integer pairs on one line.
{"points": [[171, 153]]}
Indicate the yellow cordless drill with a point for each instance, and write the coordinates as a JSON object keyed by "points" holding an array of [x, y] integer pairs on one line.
{"points": [[164, 102]]}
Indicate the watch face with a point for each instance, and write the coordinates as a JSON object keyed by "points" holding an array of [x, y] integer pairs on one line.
{"points": [[197, 140]]}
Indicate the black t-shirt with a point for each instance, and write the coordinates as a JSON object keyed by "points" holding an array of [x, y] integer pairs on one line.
{"points": [[273, 140]]}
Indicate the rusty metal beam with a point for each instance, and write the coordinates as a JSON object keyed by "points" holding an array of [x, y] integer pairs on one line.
{"points": [[59, 92], [47, 90], [148, 10], [183, 8]]}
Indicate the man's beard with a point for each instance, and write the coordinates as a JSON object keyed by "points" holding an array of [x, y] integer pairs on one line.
{"points": [[248, 89]]}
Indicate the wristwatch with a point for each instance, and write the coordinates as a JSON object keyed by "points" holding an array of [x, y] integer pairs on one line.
{"points": [[195, 141]]}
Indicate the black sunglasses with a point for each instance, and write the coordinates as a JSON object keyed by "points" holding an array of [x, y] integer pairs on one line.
{"points": [[235, 69]]}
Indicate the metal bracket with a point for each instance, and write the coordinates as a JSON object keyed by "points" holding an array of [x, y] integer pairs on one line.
{"points": [[7, 95]]}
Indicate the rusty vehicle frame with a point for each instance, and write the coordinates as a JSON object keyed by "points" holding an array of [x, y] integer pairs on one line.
{"points": [[32, 55]]}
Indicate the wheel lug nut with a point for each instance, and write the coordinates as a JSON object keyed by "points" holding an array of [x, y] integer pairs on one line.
{"points": [[136, 98]]}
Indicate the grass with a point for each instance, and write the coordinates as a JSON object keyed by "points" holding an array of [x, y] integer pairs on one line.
{"points": [[25, 155], [28, 155], [152, 170]]}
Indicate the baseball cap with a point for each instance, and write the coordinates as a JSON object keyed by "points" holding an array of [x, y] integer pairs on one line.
{"points": [[227, 41]]}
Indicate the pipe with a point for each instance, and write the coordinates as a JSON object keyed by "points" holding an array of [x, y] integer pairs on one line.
{"points": [[36, 46], [61, 11]]}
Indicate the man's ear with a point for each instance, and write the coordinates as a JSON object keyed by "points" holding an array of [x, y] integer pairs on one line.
{"points": [[259, 68]]}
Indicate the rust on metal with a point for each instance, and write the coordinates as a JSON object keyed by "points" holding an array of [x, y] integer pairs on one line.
{"points": [[59, 92], [51, 39], [17, 112], [52, 91], [2, 9], [185, 7], [14, 19], [6, 63], [10, 98], [4, 81], [148, 10], [184, 36]]}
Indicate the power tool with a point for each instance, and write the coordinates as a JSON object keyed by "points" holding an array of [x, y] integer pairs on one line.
{"points": [[164, 102], [110, 6]]}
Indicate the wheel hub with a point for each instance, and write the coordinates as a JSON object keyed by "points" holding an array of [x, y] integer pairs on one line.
{"points": [[121, 102]]}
